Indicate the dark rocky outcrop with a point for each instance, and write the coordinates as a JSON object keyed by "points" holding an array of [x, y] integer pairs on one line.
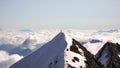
{"points": [[90, 62], [108, 55]]}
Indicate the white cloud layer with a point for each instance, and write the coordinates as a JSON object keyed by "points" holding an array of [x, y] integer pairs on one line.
{"points": [[7, 60]]}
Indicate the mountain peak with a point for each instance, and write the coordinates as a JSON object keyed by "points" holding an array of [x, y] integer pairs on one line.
{"points": [[47, 56], [61, 34], [61, 52], [77, 56], [108, 55]]}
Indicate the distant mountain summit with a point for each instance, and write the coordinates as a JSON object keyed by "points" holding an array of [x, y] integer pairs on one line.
{"points": [[64, 52], [108, 55]]}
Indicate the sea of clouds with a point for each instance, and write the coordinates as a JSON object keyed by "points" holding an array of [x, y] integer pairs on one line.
{"points": [[16, 44]]}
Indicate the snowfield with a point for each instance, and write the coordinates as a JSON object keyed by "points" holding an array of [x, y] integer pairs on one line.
{"points": [[16, 44]]}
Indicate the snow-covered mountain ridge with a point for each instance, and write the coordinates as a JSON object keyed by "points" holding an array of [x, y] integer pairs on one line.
{"points": [[91, 45], [61, 52]]}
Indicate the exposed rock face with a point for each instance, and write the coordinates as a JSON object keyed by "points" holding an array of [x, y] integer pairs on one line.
{"points": [[90, 62], [108, 55]]}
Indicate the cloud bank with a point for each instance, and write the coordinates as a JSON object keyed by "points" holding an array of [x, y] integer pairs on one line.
{"points": [[7, 60]]}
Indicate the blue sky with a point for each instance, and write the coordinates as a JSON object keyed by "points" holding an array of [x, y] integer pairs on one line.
{"points": [[81, 14]]}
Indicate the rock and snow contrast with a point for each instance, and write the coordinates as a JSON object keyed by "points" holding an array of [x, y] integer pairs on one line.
{"points": [[108, 55], [89, 51], [60, 52]]}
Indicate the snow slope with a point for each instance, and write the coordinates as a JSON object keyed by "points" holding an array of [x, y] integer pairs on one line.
{"points": [[47, 56], [61, 52], [25, 41]]}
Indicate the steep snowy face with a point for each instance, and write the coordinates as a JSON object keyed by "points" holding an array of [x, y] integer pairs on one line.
{"points": [[108, 55], [50, 55], [74, 56]]}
